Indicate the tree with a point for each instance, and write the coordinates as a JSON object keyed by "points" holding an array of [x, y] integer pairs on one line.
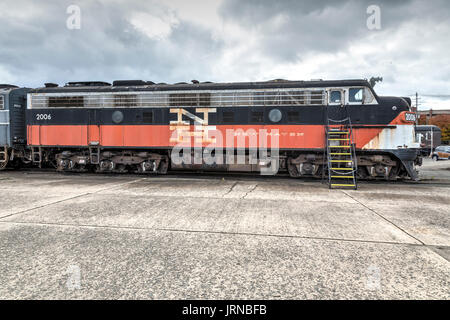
{"points": [[442, 121]]}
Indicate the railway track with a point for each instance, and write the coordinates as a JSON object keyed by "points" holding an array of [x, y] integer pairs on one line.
{"points": [[244, 176]]}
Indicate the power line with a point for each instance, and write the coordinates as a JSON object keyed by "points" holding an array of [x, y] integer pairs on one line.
{"points": [[436, 95]]}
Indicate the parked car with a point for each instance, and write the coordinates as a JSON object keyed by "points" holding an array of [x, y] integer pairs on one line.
{"points": [[441, 153]]}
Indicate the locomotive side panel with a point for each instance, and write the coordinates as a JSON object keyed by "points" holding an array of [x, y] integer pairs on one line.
{"points": [[17, 116], [12, 116], [47, 130], [12, 124], [122, 121]]}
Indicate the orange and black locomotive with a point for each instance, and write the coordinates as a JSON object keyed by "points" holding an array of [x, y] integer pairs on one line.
{"points": [[314, 126]]}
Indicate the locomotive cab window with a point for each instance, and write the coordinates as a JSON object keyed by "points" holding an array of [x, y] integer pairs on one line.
{"points": [[368, 97], [335, 97], [355, 95]]}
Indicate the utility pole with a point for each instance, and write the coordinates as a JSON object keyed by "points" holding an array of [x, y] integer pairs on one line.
{"points": [[417, 102], [431, 132], [417, 108]]}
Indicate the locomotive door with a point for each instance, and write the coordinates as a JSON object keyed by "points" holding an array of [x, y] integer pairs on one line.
{"points": [[336, 101], [93, 128], [4, 122]]}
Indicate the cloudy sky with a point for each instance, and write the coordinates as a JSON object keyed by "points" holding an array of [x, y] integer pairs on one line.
{"points": [[229, 40]]}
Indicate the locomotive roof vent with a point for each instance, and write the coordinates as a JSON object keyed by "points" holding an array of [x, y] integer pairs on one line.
{"points": [[50, 85], [87, 84], [180, 83], [127, 83], [5, 86], [195, 81], [207, 82], [278, 80], [150, 82]]}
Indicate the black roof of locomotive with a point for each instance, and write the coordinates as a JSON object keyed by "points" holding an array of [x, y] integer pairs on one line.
{"points": [[150, 86], [5, 87]]}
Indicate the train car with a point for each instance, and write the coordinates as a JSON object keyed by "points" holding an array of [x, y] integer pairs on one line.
{"points": [[429, 138], [137, 125], [12, 124]]}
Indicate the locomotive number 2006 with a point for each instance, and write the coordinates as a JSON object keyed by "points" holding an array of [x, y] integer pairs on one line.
{"points": [[43, 116], [410, 116]]}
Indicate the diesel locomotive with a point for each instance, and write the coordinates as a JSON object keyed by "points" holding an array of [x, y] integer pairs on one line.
{"points": [[135, 125]]}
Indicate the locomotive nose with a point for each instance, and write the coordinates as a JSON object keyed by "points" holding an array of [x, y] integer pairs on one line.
{"points": [[401, 104], [406, 102]]}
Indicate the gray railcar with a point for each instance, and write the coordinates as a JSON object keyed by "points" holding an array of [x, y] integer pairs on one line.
{"points": [[13, 133], [429, 137]]}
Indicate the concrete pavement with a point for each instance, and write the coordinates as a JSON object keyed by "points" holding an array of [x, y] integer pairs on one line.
{"points": [[195, 236]]}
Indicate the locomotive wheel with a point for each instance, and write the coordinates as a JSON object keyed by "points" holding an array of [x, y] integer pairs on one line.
{"points": [[163, 166], [53, 163], [394, 172], [362, 172], [292, 169], [5, 163]]}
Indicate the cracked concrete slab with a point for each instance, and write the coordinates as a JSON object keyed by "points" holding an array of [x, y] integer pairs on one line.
{"points": [[37, 261], [244, 237], [23, 191], [234, 215], [424, 214]]}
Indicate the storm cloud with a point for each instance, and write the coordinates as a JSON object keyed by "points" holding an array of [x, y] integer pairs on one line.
{"points": [[229, 40]]}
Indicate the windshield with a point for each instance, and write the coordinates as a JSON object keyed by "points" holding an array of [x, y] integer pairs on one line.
{"points": [[355, 95]]}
